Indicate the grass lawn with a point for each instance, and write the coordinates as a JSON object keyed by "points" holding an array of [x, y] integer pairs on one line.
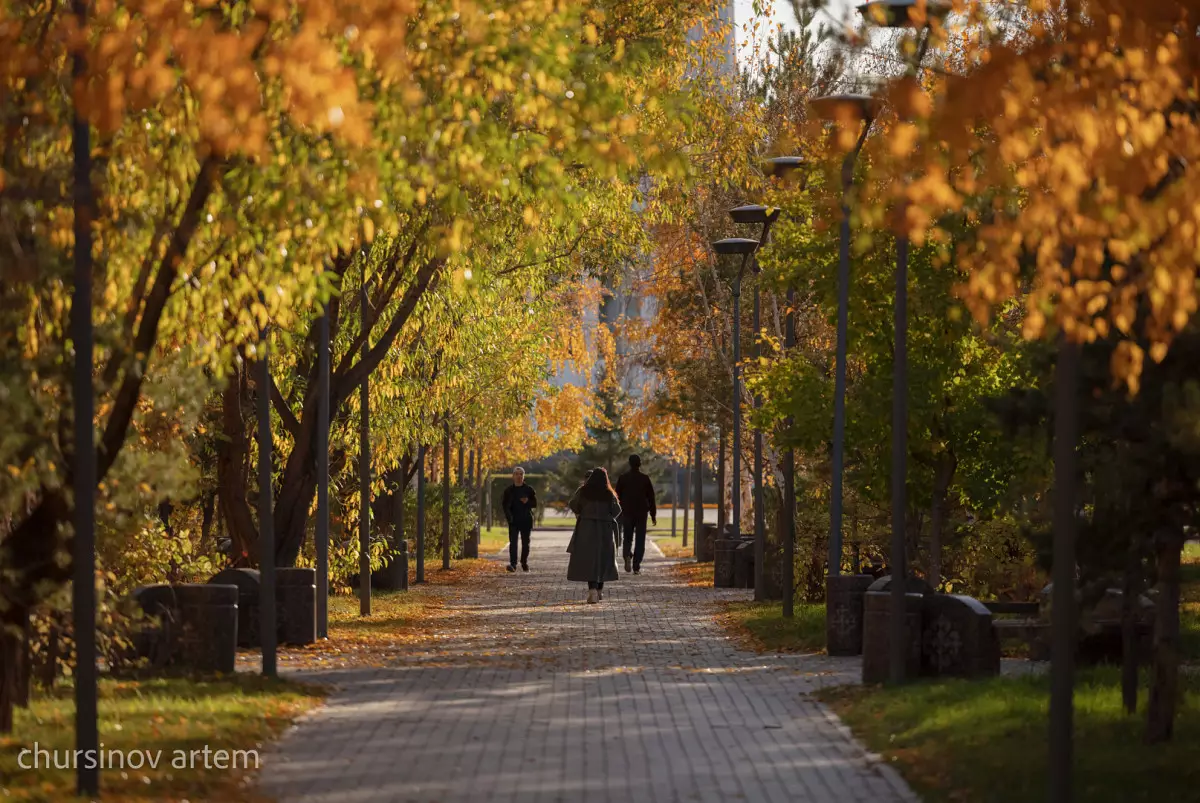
{"points": [[492, 539], [985, 741], [1189, 609], [760, 626], [673, 547], [243, 712]]}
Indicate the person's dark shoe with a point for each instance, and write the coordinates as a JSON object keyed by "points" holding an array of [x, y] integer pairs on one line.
{"points": [[511, 568], [628, 565], [524, 566], [637, 569]]}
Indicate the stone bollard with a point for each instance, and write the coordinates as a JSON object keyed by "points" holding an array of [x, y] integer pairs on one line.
{"points": [[296, 605], [248, 582], [208, 618], [844, 613], [393, 576], [723, 556], [471, 545], [875, 638], [743, 565], [706, 543], [154, 641], [958, 638]]}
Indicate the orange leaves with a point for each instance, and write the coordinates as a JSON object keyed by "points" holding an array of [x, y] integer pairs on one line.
{"points": [[1083, 137]]}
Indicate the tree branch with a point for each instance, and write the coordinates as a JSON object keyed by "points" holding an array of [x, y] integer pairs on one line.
{"points": [[130, 391]]}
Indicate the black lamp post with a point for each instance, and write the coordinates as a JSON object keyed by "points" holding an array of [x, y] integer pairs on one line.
{"points": [[266, 520], [322, 533], [835, 108], [83, 468], [765, 216], [746, 248], [779, 167], [899, 14]]}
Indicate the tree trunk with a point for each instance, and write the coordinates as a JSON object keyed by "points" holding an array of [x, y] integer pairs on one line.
{"points": [[941, 486], [1164, 683], [1129, 648], [721, 516], [207, 505], [12, 644], [24, 667], [687, 494], [233, 475]]}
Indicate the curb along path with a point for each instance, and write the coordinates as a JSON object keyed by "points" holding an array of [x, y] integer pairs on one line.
{"points": [[639, 698]]}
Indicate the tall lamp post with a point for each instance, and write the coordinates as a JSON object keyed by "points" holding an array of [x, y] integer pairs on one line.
{"points": [[835, 108], [779, 167], [746, 248], [764, 216], [322, 533], [899, 14], [83, 540]]}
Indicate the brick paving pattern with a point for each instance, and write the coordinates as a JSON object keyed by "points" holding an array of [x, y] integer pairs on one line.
{"points": [[547, 699]]}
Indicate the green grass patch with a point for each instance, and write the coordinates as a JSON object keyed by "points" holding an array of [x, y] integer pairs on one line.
{"points": [[1189, 609], [170, 715], [761, 626], [673, 547], [1191, 552], [986, 741], [492, 539]]}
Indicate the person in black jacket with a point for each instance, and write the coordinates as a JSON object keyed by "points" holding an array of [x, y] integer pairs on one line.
{"points": [[636, 494], [518, 503]]}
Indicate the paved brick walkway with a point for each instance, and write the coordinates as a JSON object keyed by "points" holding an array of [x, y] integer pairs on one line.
{"points": [[639, 698]]}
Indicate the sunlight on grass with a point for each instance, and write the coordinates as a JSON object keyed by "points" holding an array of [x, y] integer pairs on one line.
{"points": [[242, 712], [760, 626], [985, 741], [673, 547]]}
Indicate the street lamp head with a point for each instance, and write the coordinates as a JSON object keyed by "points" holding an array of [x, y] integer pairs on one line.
{"points": [[754, 213], [780, 166], [845, 104], [901, 13], [735, 245]]}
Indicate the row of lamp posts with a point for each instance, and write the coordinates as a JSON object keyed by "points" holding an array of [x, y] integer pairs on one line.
{"points": [[895, 13]]}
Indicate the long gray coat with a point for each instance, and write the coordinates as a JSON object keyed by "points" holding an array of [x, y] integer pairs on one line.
{"points": [[593, 544]]}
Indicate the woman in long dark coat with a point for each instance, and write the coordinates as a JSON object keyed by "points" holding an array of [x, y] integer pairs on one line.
{"points": [[593, 544]]}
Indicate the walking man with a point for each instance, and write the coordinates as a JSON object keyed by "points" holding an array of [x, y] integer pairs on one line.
{"points": [[518, 503], [636, 495]]}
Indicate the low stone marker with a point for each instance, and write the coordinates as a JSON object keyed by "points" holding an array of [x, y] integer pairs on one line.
{"points": [[706, 543], [844, 613], [743, 565], [296, 605], [877, 610], [208, 619], [393, 576], [723, 562], [471, 545], [248, 582], [958, 638], [154, 641]]}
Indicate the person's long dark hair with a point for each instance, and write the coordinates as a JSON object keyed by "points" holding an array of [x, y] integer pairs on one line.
{"points": [[596, 487]]}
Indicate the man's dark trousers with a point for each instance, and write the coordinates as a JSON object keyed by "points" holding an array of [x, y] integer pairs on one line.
{"points": [[523, 530], [635, 539]]}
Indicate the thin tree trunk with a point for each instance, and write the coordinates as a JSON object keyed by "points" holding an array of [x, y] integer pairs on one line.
{"points": [[937, 515], [1129, 651], [9, 648], [1164, 683], [721, 517], [233, 474], [687, 494]]}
